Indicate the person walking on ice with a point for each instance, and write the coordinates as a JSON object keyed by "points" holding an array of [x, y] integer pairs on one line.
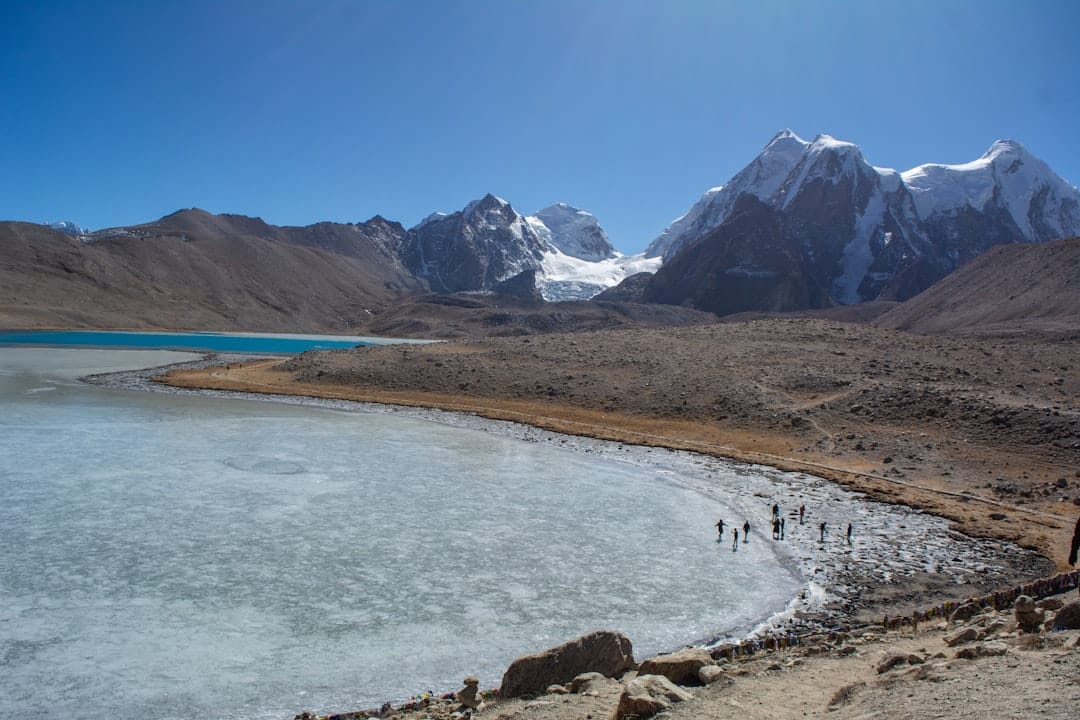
{"points": [[822, 528], [720, 530], [746, 531], [802, 511], [735, 542], [849, 533]]}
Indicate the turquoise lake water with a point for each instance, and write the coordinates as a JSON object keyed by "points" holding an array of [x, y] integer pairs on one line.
{"points": [[270, 344]]}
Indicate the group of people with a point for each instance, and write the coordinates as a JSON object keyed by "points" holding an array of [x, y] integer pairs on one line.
{"points": [[778, 528]]}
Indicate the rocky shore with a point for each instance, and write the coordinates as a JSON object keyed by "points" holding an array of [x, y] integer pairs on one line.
{"points": [[985, 658]]}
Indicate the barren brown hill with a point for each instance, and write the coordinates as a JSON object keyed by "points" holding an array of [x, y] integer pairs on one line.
{"points": [[1009, 290], [200, 271]]}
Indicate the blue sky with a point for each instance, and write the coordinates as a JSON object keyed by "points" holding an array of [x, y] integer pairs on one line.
{"points": [[122, 112]]}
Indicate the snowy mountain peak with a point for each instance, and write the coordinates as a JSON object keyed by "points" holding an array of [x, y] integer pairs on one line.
{"points": [[433, 217], [1011, 148], [573, 232], [864, 227], [67, 227], [488, 202], [475, 248]]}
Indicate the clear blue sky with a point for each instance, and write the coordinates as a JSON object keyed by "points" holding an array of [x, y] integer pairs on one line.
{"points": [[120, 112]]}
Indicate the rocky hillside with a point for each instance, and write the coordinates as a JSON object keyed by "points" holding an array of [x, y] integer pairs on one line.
{"points": [[1009, 290], [201, 271]]}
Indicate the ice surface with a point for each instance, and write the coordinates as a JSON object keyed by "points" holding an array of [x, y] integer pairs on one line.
{"points": [[170, 556]]}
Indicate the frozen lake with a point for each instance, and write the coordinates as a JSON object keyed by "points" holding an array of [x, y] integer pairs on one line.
{"points": [[171, 556]]}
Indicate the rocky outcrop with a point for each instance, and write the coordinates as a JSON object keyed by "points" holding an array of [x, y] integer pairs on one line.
{"points": [[521, 287], [963, 635], [754, 261], [474, 248], [679, 667], [606, 652], [1068, 617], [1028, 617], [647, 695]]}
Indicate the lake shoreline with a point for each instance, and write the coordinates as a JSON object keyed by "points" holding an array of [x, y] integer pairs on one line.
{"points": [[832, 577]]}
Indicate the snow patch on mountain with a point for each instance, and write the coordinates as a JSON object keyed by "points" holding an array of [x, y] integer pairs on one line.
{"points": [[573, 231], [67, 227], [1007, 170], [858, 254]]}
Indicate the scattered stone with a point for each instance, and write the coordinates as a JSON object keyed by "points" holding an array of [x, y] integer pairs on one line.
{"points": [[713, 675], [646, 695], [977, 651], [1050, 603], [891, 660], [588, 681], [844, 694], [1028, 617], [991, 629], [963, 635], [679, 667], [1068, 617], [468, 696], [965, 612], [606, 652]]}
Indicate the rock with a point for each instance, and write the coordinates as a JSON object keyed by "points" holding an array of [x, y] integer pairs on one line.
{"points": [[977, 651], [713, 675], [991, 629], [679, 667], [557, 690], [1050, 603], [963, 635], [588, 681], [606, 652], [647, 695], [1068, 617], [468, 695], [890, 661], [1028, 617], [965, 612]]}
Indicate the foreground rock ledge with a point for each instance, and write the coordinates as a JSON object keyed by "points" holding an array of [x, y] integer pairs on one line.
{"points": [[607, 652]]}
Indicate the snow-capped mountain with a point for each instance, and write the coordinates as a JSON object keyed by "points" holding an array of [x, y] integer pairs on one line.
{"points": [[870, 231], [67, 227], [580, 261], [573, 232], [474, 248], [489, 242]]}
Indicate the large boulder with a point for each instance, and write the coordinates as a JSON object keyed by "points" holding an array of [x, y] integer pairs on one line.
{"points": [[679, 667], [604, 651], [1068, 617], [647, 695], [1028, 617]]}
